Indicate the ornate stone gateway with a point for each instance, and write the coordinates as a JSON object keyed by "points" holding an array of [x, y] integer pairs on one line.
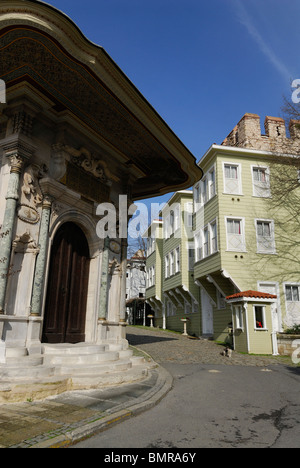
{"points": [[74, 133], [65, 310]]}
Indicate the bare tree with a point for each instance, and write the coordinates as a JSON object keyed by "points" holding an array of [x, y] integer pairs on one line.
{"points": [[283, 207], [290, 109], [134, 245]]}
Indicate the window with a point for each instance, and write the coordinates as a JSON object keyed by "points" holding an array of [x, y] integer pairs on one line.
{"points": [[206, 188], [197, 193], [177, 260], [203, 190], [191, 259], [211, 183], [177, 218], [259, 317], [231, 172], [172, 222], [199, 248], [172, 263], [292, 293], [151, 277], [150, 246], [239, 317], [261, 182], [206, 242], [188, 219], [187, 308], [232, 179], [221, 300], [214, 237], [167, 227], [171, 309], [235, 234], [265, 236], [167, 267]]}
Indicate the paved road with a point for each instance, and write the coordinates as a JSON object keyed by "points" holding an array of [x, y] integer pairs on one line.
{"points": [[216, 402]]}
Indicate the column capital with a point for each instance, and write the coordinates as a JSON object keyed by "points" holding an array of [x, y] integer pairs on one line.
{"points": [[47, 202], [16, 163], [18, 151]]}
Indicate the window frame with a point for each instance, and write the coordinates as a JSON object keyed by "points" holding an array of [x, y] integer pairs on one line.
{"points": [[260, 185], [239, 178], [243, 235], [203, 241], [177, 260], [213, 240], [239, 317], [272, 249], [263, 307], [291, 285], [205, 189], [167, 266]]}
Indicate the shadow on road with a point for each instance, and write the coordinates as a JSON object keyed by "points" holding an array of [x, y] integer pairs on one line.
{"points": [[135, 340]]}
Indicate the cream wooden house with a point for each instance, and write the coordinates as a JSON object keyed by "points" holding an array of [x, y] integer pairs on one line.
{"points": [[245, 236]]}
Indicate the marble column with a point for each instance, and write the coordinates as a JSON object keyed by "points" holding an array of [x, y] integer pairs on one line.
{"points": [[102, 309], [7, 230], [40, 267], [123, 284], [114, 292]]}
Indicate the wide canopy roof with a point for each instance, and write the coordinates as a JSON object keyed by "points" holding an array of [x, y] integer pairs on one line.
{"points": [[43, 48]]}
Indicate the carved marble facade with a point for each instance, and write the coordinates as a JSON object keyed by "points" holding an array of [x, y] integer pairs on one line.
{"points": [[74, 132]]}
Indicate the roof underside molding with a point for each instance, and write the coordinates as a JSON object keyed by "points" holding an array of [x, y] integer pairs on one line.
{"points": [[42, 48]]}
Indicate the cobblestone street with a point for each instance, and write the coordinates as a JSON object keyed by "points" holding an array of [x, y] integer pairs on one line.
{"points": [[216, 402], [165, 346]]}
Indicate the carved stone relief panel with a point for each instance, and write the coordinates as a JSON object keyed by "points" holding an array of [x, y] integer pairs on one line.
{"points": [[31, 195]]}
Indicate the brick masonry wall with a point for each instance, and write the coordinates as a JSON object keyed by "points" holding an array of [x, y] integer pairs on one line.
{"points": [[285, 344], [247, 134]]}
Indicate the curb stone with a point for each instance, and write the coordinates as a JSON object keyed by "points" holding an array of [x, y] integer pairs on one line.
{"points": [[130, 409]]}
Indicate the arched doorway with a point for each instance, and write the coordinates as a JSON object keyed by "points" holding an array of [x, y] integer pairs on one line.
{"points": [[65, 310]]}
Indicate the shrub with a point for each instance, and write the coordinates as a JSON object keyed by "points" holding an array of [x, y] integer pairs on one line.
{"points": [[295, 330]]}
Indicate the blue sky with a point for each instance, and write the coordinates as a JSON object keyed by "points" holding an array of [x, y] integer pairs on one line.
{"points": [[201, 64]]}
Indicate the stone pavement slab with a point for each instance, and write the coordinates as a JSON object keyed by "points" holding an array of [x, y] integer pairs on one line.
{"points": [[64, 419]]}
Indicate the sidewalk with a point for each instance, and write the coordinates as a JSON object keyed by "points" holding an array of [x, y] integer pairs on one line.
{"points": [[62, 420], [65, 419]]}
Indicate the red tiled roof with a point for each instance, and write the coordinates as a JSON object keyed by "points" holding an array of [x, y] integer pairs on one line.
{"points": [[252, 294]]}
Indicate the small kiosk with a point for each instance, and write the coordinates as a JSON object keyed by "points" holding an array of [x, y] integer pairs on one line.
{"points": [[252, 322]]}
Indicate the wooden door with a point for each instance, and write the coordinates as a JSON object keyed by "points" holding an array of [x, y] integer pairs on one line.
{"points": [[65, 310]]}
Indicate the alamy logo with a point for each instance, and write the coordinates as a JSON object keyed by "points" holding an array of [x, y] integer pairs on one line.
{"points": [[2, 92], [296, 93], [296, 354]]}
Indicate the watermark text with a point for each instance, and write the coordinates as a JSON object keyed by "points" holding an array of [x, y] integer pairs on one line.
{"points": [[2, 92], [296, 93]]}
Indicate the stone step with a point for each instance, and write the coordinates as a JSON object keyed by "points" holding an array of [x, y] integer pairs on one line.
{"points": [[117, 347], [25, 361], [69, 349], [95, 369], [80, 359], [17, 352], [126, 353], [20, 373], [131, 375], [137, 360]]}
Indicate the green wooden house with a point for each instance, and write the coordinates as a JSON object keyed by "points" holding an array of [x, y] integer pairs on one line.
{"points": [[244, 237]]}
